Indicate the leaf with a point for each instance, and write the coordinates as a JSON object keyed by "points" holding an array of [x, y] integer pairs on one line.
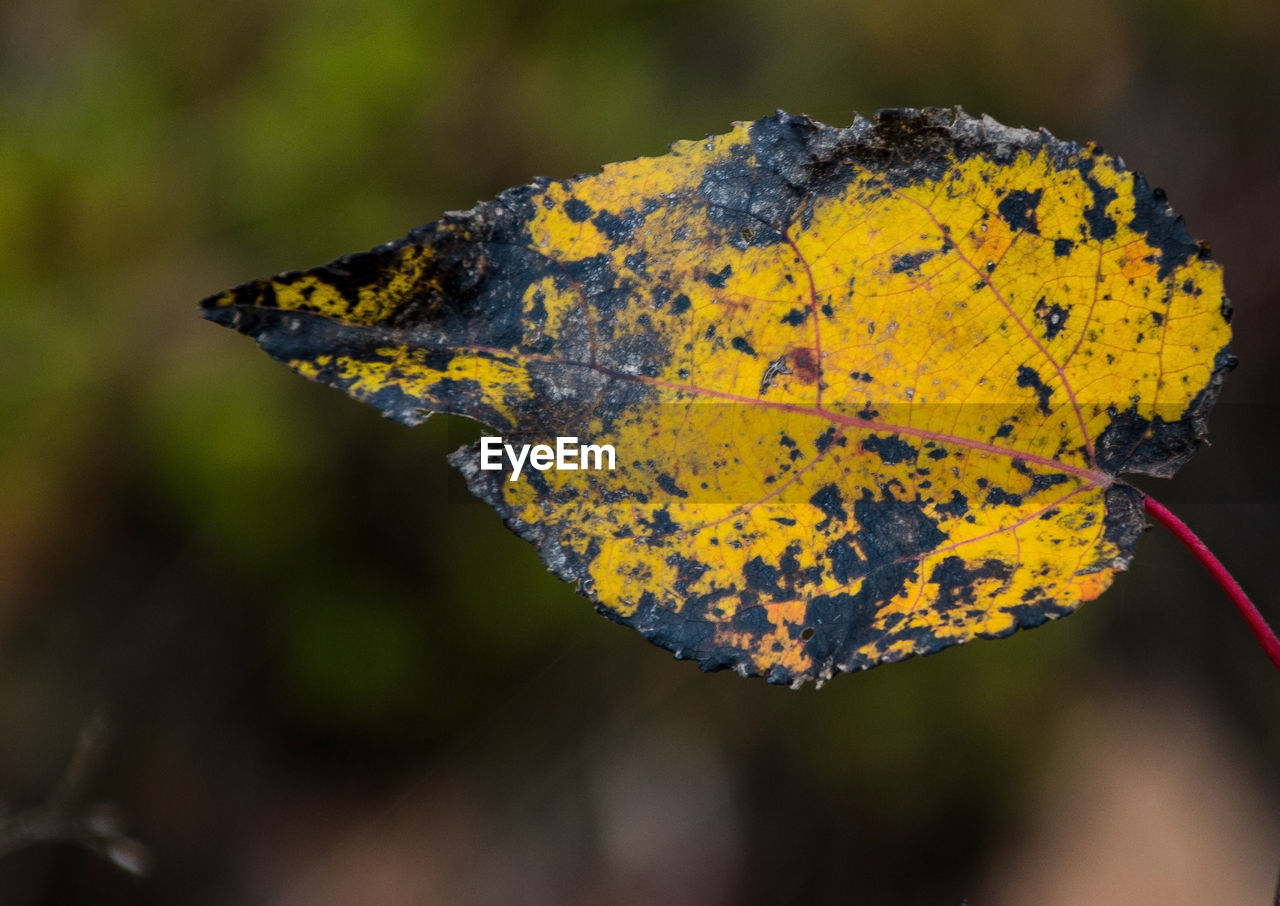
{"points": [[869, 388]]}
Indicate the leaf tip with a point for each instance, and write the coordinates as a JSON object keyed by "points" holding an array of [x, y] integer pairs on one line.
{"points": [[217, 308]]}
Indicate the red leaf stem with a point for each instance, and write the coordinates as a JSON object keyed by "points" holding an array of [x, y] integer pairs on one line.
{"points": [[1265, 635]]}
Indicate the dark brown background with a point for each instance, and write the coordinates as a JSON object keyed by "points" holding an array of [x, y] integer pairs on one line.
{"points": [[329, 679]]}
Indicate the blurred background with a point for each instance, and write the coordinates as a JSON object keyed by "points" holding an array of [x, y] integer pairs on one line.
{"points": [[327, 678]]}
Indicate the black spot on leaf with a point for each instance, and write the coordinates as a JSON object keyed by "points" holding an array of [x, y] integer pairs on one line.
{"points": [[956, 581], [956, 507], [661, 523], [1000, 497], [891, 449], [668, 484], [846, 563], [1164, 229], [1018, 209], [1053, 318], [720, 278], [578, 210], [1028, 377], [828, 500], [760, 576], [1101, 226], [909, 264]]}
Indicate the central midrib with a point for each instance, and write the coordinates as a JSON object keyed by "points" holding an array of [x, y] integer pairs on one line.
{"points": [[1093, 477]]}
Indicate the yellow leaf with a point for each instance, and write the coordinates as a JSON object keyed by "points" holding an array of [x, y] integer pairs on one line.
{"points": [[869, 389]]}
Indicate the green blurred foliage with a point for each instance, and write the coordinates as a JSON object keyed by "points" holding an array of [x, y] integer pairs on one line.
{"points": [[281, 599]]}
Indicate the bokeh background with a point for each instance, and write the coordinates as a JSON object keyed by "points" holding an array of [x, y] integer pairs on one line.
{"points": [[327, 678]]}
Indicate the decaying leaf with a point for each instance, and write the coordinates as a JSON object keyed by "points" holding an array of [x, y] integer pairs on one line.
{"points": [[869, 388]]}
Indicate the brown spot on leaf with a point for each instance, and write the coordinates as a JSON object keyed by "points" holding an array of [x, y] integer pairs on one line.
{"points": [[804, 364]]}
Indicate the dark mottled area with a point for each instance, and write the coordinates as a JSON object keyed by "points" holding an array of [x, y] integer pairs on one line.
{"points": [[750, 205], [672, 630], [1062, 247], [922, 637], [720, 278], [913, 145], [1132, 443], [955, 580], [1042, 481], [538, 309], [620, 229], [399, 406], [802, 153], [1036, 613], [793, 574], [266, 297], [1163, 228], [668, 484], [892, 536], [956, 507], [537, 480], [891, 449], [1001, 497], [662, 524], [828, 500], [1030, 378], [846, 563], [1018, 209], [910, 263], [1053, 317], [754, 620], [825, 439], [840, 624], [593, 397], [1125, 518], [578, 210], [795, 317], [596, 281], [1101, 226], [893, 529], [289, 335], [351, 273], [760, 576]]}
